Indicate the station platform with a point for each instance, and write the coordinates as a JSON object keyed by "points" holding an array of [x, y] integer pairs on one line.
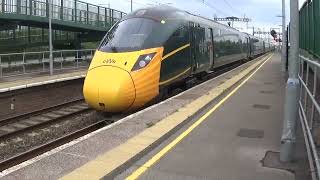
{"points": [[238, 138], [226, 128], [37, 79]]}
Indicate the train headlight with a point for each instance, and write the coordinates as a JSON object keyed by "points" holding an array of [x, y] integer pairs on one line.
{"points": [[143, 61]]}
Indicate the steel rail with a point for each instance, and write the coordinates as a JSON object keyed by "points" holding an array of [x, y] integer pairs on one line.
{"points": [[25, 117], [19, 158]]}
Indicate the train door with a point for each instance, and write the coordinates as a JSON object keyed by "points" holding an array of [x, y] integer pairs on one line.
{"points": [[247, 48], [251, 49], [211, 49], [192, 47], [199, 48]]}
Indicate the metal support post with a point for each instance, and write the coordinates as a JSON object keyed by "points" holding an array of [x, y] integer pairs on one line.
{"points": [[87, 14], [112, 17], [30, 7], [279, 41], [50, 39], [47, 8], [61, 64], [26, 6], [98, 17], [61, 9], [77, 57], [24, 62], [0, 67], [43, 66], [131, 5], [105, 17], [75, 11], [18, 6], [3, 6], [288, 137], [283, 57]]}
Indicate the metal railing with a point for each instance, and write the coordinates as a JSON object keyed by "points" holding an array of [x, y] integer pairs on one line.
{"points": [[309, 27], [309, 110], [66, 10], [15, 64]]}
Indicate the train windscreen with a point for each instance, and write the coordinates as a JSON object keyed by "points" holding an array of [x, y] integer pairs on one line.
{"points": [[136, 34]]}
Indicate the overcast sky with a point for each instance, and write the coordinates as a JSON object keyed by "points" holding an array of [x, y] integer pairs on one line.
{"points": [[262, 12]]}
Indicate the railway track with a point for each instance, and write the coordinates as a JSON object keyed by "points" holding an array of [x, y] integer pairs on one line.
{"points": [[43, 118], [19, 158], [46, 117], [37, 119]]}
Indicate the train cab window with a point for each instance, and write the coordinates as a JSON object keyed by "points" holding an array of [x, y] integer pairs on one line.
{"points": [[136, 34]]}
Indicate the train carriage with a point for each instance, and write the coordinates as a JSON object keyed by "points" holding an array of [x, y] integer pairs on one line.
{"points": [[152, 49]]}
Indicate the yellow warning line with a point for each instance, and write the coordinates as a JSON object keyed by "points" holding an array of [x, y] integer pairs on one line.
{"points": [[166, 149]]}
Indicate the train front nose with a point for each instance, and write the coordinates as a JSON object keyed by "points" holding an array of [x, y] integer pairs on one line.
{"points": [[109, 88]]}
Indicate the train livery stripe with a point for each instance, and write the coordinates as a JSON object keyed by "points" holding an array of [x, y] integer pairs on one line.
{"points": [[175, 51], [175, 77]]}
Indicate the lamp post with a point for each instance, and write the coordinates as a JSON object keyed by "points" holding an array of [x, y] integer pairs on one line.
{"points": [[291, 106], [284, 37]]}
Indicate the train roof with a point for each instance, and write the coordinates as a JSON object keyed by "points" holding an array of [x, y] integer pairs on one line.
{"points": [[163, 12], [158, 13], [168, 12]]}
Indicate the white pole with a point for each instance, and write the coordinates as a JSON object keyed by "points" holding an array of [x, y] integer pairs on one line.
{"points": [[291, 106], [50, 38]]}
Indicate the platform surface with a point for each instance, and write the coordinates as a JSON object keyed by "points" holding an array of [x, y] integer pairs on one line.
{"points": [[229, 144], [27, 79], [233, 141]]}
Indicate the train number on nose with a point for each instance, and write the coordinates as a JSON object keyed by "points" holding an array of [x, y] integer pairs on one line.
{"points": [[109, 61]]}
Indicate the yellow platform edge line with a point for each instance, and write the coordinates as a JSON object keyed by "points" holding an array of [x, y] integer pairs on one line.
{"points": [[105, 163], [167, 148]]}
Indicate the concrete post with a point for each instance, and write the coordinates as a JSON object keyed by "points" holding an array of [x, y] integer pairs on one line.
{"points": [[292, 90], [50, 39], [284, 37]]}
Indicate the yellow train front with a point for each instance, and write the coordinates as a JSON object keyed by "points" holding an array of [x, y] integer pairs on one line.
{"points": [[118, 82], [151, 50]]}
